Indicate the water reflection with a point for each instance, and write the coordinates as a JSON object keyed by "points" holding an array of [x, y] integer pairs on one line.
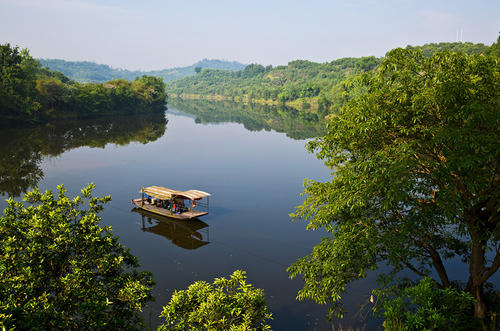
{"points": [[185, 234], [23, 149], [255, 117]]}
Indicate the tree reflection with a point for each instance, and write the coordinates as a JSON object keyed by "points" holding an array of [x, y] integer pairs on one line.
{"points": [[254, 117], [23, 149]]}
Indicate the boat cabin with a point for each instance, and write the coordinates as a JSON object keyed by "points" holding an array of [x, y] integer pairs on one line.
{"points": [[183, 205]]}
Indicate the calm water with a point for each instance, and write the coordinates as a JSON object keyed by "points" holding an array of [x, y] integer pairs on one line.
{"points": [[251, 165]]}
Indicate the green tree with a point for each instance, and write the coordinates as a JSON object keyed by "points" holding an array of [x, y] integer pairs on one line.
{"points": [[60, 270], [17, 83], [227, 304], [197, 69], [416, 177]]}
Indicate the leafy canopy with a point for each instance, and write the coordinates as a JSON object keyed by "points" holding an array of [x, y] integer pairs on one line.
{"points": [[60, 270], [415, 160], [227, 304]]}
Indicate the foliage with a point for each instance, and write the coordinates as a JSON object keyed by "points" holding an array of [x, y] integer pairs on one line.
{"points": [[17, 83], [60, 270], [29, 93], [416, 160], [141, 95], [494, 50], [426, 306], [227, 304], [465, 47], [89, 72], [301, 82]]}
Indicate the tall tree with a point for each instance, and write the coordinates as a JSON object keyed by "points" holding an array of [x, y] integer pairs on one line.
{"points": [[416, 177]]}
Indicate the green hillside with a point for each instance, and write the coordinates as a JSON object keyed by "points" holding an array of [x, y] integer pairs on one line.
{"points": [[84, 71], [317, 87]]}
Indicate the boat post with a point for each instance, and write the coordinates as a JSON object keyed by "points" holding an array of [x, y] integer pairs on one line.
{"points": [[171, 204]]}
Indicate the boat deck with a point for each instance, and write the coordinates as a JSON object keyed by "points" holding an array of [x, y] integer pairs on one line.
{"points": [[187, 215]]}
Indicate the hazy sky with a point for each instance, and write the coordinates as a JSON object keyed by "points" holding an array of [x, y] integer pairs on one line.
{"points": [[156, 34]]}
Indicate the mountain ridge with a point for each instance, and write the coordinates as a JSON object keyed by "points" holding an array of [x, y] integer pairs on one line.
{"points": [[91, 72]]}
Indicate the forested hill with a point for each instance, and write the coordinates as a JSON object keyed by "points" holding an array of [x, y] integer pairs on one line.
{"points": [[84, 71], [301, 84], [30, 93]]}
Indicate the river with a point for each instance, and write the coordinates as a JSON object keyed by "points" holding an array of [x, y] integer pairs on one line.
{"points": [[252, 161]]}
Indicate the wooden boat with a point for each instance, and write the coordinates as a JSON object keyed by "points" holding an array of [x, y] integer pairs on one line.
{"points": [[172, 203], [191, 234]]}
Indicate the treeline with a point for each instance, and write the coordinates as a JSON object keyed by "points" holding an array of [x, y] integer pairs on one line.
{"points": [[305, 85], [466, 47], [31, 93], [90, 72], [301, 84]]}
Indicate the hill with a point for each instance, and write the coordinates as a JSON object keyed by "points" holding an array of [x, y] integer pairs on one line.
{"points": [[317, 87], [85, 71]]}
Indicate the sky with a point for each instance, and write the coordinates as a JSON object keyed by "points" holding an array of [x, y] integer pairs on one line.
{"points": [[159, 34]]}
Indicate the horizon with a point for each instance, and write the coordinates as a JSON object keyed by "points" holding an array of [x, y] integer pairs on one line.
{"points": [[147, 35]]}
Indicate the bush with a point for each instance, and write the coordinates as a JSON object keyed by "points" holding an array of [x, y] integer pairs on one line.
{"points": [[60, 270], [227, 304]]}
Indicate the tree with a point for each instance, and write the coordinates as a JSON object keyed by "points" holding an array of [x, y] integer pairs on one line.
{"points": [[416, 181], [60, 270], [17, 83], [227, 304], [197, 69]]}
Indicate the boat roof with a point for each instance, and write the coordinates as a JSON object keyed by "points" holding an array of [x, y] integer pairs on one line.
{"points": [[164, 193]]}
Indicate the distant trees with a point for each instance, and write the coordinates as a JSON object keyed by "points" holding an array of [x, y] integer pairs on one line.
{"points": [[313, 87], [30, 93], [299, 84], [466, 47]]}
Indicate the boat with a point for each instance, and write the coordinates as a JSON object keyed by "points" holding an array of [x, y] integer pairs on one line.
{"points": [[172, 203], [191, 234]]}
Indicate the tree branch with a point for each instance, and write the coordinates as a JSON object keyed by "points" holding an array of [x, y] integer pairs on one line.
{"points": [[493, 268], [415, 270]]}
